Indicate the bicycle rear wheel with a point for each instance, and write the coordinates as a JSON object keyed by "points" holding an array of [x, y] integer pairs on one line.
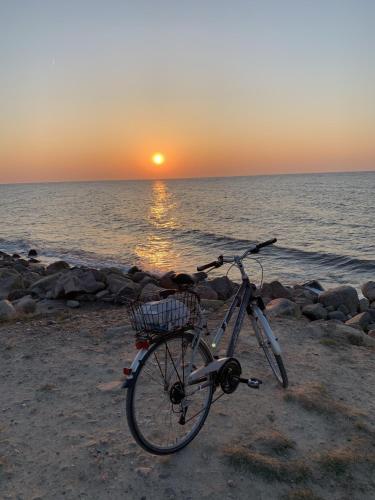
{"points": [[164, 413], [274, 360]]}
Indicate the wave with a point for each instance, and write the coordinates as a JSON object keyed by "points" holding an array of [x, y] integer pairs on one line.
{"points": [[195, 237]]}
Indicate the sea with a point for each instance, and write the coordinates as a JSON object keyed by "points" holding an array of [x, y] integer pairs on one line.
{"points": [[324, 224]]}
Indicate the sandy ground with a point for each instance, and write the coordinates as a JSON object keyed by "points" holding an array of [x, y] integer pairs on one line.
{"points": [[63, 433]]}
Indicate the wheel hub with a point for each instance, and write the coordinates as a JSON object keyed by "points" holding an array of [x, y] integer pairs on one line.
{"points": [[177, 393]]}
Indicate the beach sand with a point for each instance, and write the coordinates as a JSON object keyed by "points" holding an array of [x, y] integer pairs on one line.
{"points": [[63, 432]]}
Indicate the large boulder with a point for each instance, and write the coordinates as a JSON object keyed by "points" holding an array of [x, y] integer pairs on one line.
{"points": [[150, 292], [275, 290], [364, 304], [303, 297], [223, 286], [57, 267], [342, 295], [7, 311], [45, 285], [10, 279], [206, 292], [368, 290], [314, 311], [76, 281], [282, 307], [116, 282], [362, 320], [26, 305], [165, 280]]}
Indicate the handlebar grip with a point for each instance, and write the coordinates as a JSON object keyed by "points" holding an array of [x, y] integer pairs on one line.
{"points": [[215, 263], [266, 243]]}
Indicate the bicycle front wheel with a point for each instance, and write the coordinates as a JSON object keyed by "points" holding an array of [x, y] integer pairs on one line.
{"points": [[274, 360], [163, 412]]}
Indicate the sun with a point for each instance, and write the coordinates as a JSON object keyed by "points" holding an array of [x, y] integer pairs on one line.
{"points": [[158, 158]]}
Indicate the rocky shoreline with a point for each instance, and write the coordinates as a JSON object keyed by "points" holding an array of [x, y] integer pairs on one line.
{"points": [[28, 287]]}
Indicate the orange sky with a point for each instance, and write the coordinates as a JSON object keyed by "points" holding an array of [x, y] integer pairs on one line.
{"points": [[252, 90]]}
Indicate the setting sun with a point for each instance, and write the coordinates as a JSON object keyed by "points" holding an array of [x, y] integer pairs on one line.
{"points": [[158, 159]]}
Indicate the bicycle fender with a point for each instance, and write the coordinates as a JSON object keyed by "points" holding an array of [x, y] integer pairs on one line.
{"points": [[135, 366], [267, 329]]}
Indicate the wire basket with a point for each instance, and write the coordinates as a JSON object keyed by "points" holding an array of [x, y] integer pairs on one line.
{"points": [[180, 310]]}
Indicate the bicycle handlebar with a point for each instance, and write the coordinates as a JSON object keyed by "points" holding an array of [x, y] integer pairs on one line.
{"points": [[220, 261]]}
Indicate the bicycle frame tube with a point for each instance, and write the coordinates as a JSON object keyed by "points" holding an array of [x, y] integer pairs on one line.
{"points": [[241, 314], [221, 329]]}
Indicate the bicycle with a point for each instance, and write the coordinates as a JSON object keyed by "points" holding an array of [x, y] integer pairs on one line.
{"points": [[174, 375]]}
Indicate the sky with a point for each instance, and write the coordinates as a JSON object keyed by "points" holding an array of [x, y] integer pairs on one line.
{"points": [[90, 89]]}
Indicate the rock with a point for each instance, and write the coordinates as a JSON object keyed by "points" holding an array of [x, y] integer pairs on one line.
{"points": [[340, 332], [314, 312], [34, 261], [150, 292], [313, 284], [26, 305], [117, 281], [44, 285], [101, 294], [371, 333], [275, 290], [17, 294], [282, 307], [134, 270], [199, 276], [364, 304], [330, 309], [37, 268], [16, 256], [303, 297], [56, 267], [166, 282], [77, 280], [138, 276], [342, 308], [368, 290], [223, 286], [7, 311], [206, 292], [32, 253], [144, 472], [21, 266], [363, 320], [10, 279], [73, 304], [211, 305], [372, 305], [346, 295], [338, 315]]}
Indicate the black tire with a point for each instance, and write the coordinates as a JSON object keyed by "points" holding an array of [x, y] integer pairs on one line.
{"points": [[274, 360], [160, 386]]}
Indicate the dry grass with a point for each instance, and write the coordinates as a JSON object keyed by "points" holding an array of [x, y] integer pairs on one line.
{"points": [[339, 460], [328, 342], [314, 397], [301, 494], [270, 468], [273, 441]]}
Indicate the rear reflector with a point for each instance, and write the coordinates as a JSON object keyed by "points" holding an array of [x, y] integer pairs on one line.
{"points": [[127, 371], [142, 344]]}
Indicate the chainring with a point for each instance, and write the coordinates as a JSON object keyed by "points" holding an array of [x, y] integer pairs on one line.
{"points": [[229, 375]]}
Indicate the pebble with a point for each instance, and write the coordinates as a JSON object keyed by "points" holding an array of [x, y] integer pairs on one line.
{"points": [[230, 483], [73, 304]]}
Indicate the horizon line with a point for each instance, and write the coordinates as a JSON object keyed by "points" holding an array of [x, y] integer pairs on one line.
{"points": [[187, 178]]}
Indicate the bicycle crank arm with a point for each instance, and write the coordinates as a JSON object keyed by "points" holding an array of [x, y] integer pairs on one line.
{"points": [[202, 373]]}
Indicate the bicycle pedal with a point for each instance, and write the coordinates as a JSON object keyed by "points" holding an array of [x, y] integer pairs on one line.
{"points": [[254, 383]]}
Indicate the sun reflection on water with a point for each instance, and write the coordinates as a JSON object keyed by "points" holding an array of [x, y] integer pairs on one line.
{"points": [[156, 251]]}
